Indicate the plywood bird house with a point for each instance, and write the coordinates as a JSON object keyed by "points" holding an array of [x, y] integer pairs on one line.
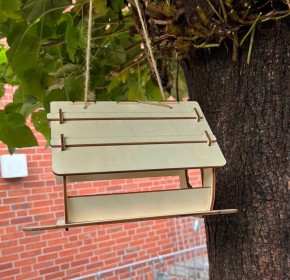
{"points": [[109, 140]]}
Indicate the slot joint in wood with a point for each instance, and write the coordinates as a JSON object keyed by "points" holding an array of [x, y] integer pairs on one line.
{"points": [[60, 116], [198, 117], [209, 140], [62, 142]]}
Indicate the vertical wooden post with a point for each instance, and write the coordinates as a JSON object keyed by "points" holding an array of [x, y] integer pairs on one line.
{"points": [[65, 201]]}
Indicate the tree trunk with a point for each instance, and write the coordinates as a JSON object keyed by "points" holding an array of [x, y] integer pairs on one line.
{"points": [[247, 107]]}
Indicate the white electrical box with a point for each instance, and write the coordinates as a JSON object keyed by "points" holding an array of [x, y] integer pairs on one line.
{"points": [[13, 166]]}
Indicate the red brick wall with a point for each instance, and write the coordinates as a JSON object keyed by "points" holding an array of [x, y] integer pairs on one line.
{"points": [[59, 254]]}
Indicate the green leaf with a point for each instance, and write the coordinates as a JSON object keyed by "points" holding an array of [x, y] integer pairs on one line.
{"points": [[3, 58], [115, 54], [33, 9], [9, 9], [75, 87], [64, 71], [13, 131], [136, 91], [100, 8], [23, 53], [23, 106], [15, 120], [54, 95], [152, 91], [71, 38], [11, 150], [41, 124], [32, 83]]}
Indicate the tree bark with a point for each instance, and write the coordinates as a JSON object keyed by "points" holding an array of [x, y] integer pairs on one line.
{"points": [[247, 107]]}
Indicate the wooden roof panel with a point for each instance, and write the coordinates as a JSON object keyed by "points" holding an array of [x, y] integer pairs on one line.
{"points": [[124, 137]]}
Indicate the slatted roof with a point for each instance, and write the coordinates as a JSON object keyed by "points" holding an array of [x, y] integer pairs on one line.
{"points": [[111, 137]]}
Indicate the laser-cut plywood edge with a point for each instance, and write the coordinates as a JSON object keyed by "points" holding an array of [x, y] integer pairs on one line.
{"points": [[62, 225]]}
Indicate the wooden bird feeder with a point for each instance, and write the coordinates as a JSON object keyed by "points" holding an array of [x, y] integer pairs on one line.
{"points": [[109, 140]]}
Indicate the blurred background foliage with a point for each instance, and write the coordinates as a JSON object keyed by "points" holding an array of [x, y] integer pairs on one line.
{"points": [[45, 58]]}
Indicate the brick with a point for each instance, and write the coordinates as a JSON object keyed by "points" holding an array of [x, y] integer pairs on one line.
{"points": [[3, 194], [47, 257], [32, 170], [44, 217], [4, 208], [79, 263], [5, 266], [18, 193], [50, 249], [14, 200], [57, 275], [38, 184], [22, 220], [37, 204], [3, 185], [26, 268], [25, 276], [57, 241], [8, 244], [95, 265], [49, 270], [37, 197], [42, 189], [7, 215], [25, 262], [125, 239], [30, 253], [9, 258], [35, 245], [31, 239], [85, 255], [35, 211], [67, 259], [10, 272], [12, 250], [38, 266], [74, 244], [19, 206], [71, 252], [107, 244], [65, 266], [51, 235]]}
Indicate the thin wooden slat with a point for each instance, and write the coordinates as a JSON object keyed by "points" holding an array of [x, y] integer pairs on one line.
{"points": [[115, 159], [124, 108], [125, 175], [131, 206], [89, 132]]}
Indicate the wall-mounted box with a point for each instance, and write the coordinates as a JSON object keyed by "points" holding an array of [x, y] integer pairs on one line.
{"points": [[13, 166]]}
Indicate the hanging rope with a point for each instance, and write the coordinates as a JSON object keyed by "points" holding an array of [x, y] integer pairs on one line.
{"points": [[88, 53], [151, 56]]}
